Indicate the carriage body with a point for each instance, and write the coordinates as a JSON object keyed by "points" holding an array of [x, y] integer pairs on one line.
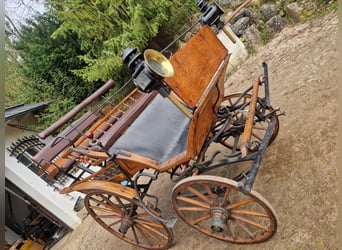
{"points": [[147, 131]]}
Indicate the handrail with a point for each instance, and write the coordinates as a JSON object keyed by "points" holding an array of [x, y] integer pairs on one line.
{"points": [[48, 131]]}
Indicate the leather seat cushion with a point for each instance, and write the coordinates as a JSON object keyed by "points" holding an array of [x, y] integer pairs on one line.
{"points": [[159, 132]]}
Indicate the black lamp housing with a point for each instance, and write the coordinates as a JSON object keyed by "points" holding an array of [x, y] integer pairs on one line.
{"points": [[143, 78], [149, 69], [211, 14]]}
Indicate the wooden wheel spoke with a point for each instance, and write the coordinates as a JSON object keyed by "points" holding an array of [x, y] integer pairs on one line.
{"points": [[142, 215], [207, 188], [150, 223], [121, 204], [112, 210], [143, 234], [114, 223], [108, 201], [259, 127], [154, 230], [193, 202], [198, 194], [256, 136], [136, 239], [230, 102], [194, 209], [239, 203], [202, 218], [248, 212], [107, 216], [104, 204], [250, 222], [244, 228], [148, 231], [230, 231], [225, 196]]}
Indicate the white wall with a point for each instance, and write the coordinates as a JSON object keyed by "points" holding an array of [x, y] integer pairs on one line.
{"points": [[238, 49], [59, 205]]}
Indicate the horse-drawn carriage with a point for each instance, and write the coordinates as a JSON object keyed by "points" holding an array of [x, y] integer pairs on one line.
{"points": [[176, 121]]}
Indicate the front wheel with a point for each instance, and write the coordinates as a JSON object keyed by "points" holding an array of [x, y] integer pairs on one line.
{"points": [[126, 219], [216, 207]]}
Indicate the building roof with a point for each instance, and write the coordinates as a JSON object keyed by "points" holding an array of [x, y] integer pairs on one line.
{"points": [[22, 109]]}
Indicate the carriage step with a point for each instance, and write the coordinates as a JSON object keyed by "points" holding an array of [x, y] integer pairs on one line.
{"points": [[171, 222]]}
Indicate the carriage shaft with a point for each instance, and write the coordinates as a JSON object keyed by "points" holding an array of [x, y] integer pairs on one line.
{"points": [[246, 136], [246, 188]]}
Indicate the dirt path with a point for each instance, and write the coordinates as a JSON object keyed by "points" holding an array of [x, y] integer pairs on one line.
{"points": [[298, 175]]}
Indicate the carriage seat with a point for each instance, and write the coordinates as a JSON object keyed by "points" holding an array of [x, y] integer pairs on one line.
{"points": [[159, 132]]}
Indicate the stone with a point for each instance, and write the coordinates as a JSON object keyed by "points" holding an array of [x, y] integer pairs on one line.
{"points": [[236, 3], [268, 11], [294, 11], [276, 23], [246, 12], [252, 37], [224, 3], [240, 26]]}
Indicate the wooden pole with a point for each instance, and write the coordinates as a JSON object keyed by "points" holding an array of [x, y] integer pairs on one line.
{"points": [[246, 136], [75, 110]]}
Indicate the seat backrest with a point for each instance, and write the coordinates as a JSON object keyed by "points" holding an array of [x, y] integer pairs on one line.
{"points": [[200, 69], [195, 65]]}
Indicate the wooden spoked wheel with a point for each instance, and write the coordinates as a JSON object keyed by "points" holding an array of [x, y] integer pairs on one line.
{"points": [[126, 219], [231, 138], [216, 207]]}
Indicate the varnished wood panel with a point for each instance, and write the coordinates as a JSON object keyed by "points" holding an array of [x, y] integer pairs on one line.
{"points": [[195, 65]]}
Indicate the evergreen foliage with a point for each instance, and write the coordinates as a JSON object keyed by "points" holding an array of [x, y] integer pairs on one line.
{"points": [[64, 55], [107, 27], [44, 68]]}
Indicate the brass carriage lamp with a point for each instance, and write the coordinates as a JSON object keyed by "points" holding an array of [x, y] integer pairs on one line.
{"points": [[149, 69]]}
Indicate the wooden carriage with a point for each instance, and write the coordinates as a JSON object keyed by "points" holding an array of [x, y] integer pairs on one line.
{"points": [[115, 152]]}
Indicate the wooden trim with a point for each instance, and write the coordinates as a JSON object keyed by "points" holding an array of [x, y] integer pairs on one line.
{"points": [[135, 162], [112, 187], [247, 132], [205, 113]]}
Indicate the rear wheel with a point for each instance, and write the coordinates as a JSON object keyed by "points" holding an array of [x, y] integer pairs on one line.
{"points": [[126, 219], [231, 137], [216, 207]]}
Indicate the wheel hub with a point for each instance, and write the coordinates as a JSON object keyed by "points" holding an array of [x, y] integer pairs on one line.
{"points": [[219, 217], [126, 223]]}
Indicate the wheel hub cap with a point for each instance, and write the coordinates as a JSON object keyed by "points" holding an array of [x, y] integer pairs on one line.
{"points": [[219, 217], [126, 223]]}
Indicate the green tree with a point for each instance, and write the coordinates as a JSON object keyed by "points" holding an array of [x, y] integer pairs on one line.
{"points": [[44, 68], [107, 27]]}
